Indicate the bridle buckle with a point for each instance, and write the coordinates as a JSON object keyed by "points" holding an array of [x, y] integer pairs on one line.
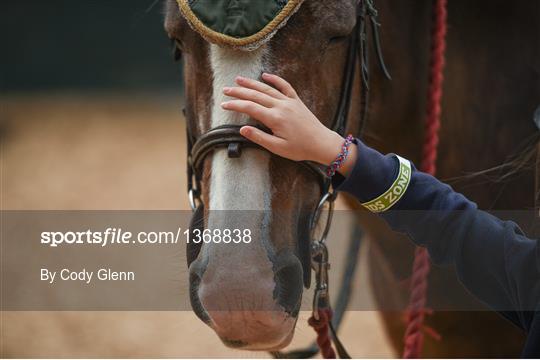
{"points": [[321, 266], [329, 197], [194, 198], [319, 253]]}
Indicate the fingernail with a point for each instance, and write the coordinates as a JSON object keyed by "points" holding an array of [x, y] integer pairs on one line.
{"points": [[226, 89], [239, 78], [224, 104], [266, 74]]}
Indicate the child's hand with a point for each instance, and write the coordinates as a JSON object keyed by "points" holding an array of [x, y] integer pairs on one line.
{"points": [[297, 133]]}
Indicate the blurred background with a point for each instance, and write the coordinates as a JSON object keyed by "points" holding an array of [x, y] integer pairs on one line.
{"points": [[88, 45], [90, 118]]}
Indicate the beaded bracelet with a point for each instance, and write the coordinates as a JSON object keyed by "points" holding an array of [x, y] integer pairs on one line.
{"points": [[341, 157]]}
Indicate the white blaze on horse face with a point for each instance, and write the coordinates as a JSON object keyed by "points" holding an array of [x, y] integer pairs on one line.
{"points": [[239, 278], [241, 183]]}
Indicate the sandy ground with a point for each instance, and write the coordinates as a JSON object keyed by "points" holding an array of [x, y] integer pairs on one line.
{"points": [[84, 151]]}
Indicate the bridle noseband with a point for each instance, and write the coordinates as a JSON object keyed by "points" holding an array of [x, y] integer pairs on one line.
{"points": [[226, 136]]}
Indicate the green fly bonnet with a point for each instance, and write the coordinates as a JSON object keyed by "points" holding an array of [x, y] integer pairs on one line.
{"points": [[243, 24]]}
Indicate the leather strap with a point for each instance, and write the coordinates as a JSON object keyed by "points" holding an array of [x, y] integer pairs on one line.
{"points": [[537, 181], [536, 120], [196, 222], [227, 135], [220, 136], [340, 349]]}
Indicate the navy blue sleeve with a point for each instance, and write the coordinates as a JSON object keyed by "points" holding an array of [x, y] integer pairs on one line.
{"points": [[493, 258]]}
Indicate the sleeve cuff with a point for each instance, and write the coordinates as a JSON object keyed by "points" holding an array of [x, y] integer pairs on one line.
{"points": [[372, 175]]}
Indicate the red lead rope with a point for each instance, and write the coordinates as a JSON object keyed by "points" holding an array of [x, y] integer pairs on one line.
{"points": [[414, 335], [322, 328]]}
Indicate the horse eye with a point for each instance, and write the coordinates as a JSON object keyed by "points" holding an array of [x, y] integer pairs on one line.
{"points": [[176, 50], [338, 39]]}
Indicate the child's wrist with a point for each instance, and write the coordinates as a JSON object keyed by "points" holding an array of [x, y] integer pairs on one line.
{"points": [[330, 146], [350, 161]]}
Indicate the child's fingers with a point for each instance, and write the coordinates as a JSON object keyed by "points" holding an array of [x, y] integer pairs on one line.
{"points": [[259, 86], [250, 94], [281, 84], [270, 142], [251, 109]]}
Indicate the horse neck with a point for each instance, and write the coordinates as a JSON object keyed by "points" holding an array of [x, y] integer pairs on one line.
{"points": [[489, 90]]}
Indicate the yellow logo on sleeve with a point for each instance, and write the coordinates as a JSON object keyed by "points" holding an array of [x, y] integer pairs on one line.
{"points": [[396, 190]]}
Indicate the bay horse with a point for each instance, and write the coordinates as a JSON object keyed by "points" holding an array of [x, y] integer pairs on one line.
{"points": [[250, 295]]}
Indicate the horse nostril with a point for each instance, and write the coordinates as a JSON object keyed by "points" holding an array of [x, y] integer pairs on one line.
{"points": [[235, 344], [196, 269], [289, 285]]}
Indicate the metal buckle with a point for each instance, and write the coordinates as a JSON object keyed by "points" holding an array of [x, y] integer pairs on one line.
{"points": [[319, 254], [194, 198], [194, 195], [319, 263], [329, 197]]}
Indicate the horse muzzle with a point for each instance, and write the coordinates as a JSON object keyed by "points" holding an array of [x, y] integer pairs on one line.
{"points": [[249, 307]]}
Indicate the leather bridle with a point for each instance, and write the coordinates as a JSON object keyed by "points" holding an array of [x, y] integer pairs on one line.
{"points": [[228, 136]]}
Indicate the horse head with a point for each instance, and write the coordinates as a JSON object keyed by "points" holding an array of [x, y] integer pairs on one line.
{"points": [[250, 292]]}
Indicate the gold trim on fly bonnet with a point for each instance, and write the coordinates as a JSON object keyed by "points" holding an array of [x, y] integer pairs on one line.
{"points": [[217, 29]]}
